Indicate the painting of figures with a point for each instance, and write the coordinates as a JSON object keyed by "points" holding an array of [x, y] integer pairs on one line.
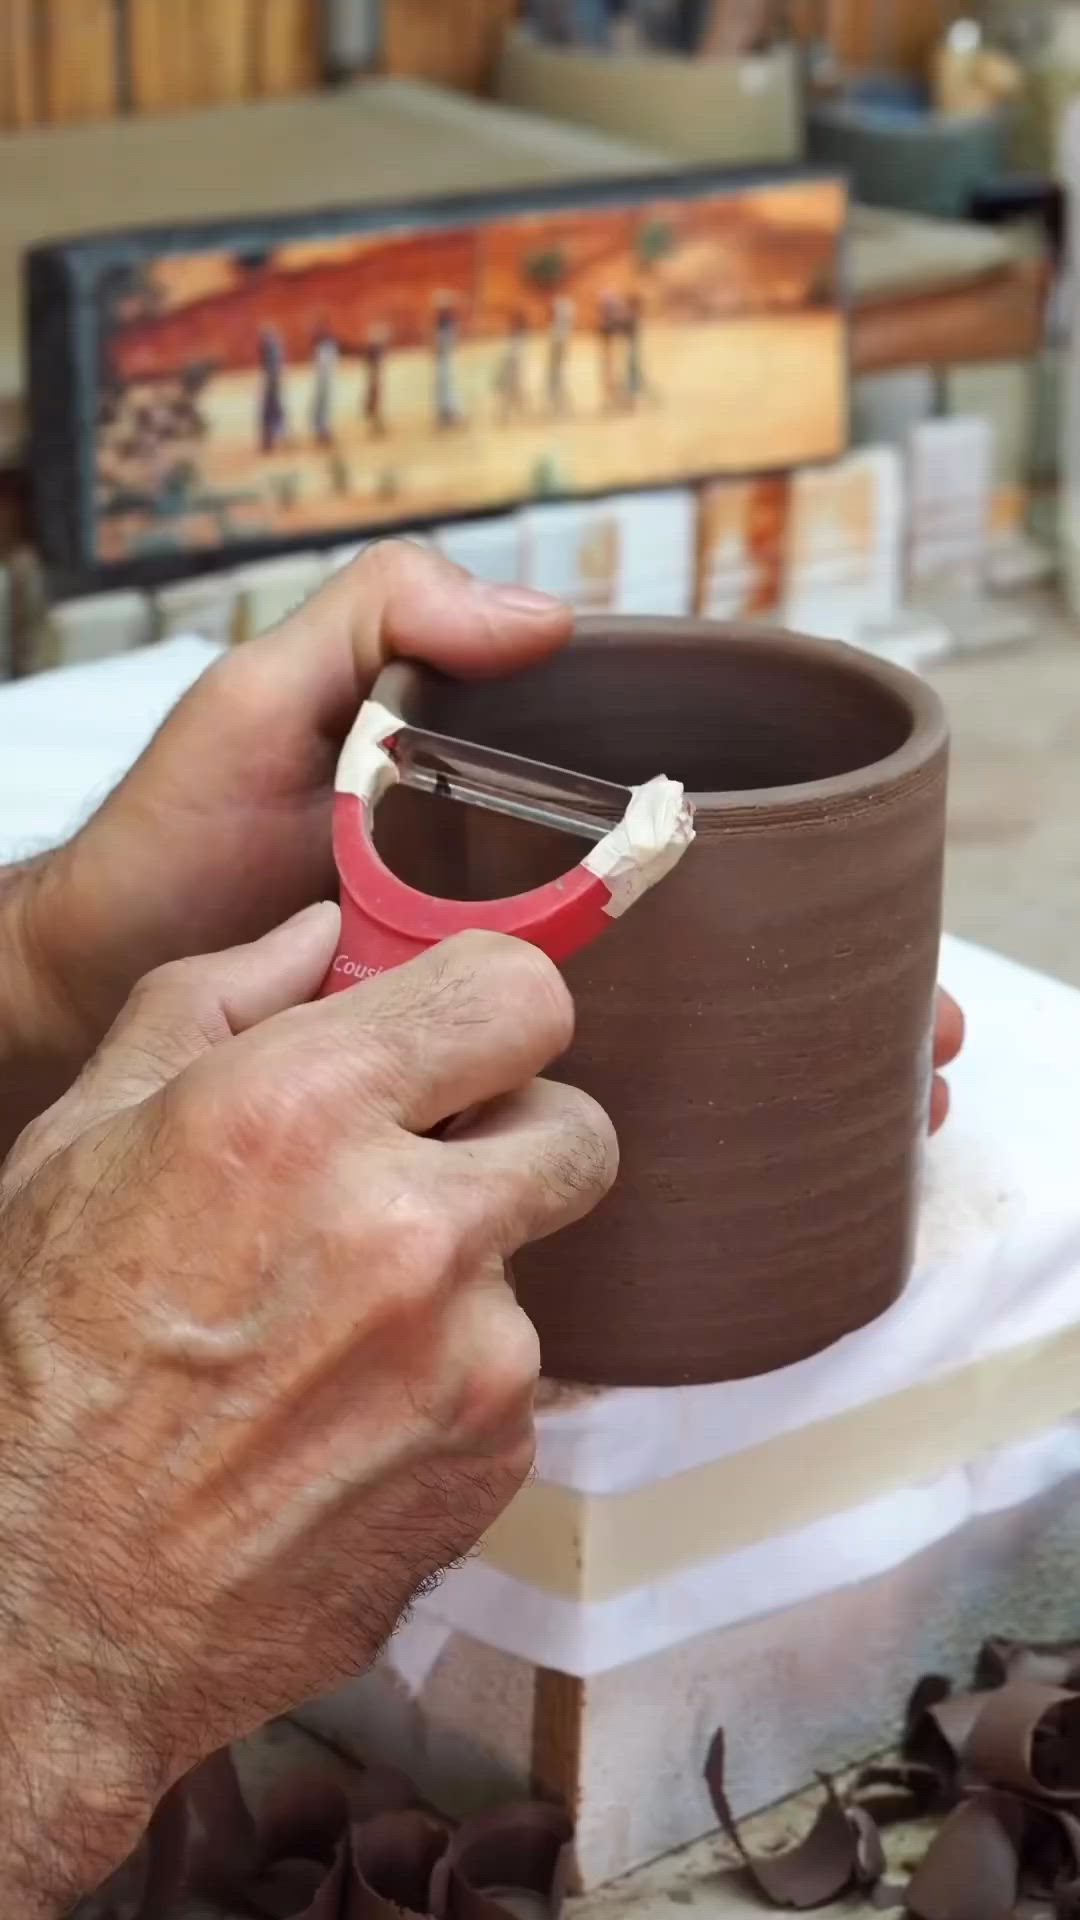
{"points": [[400, 372]]}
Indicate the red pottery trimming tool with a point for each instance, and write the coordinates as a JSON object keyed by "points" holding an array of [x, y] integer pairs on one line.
{"points": [[638, 835]]}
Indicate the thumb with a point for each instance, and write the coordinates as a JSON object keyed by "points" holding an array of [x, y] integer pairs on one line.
{"points": [[396, 601], [181, 1011]]}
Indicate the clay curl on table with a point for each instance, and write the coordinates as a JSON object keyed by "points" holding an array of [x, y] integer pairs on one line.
{"points": [[1001, 1761], [321, 1850]]}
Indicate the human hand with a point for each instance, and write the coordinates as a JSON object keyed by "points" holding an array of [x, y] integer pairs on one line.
{"points": [[948, 1041], [261, 1374], [222, 829]]}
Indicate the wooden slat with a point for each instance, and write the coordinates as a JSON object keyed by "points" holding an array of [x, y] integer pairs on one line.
{"points": [[558, 1726], [287, 46], [222, 48], [18, 76], [80, 59], [883, 34], [159, 55], [999, 316], [457, 46]]}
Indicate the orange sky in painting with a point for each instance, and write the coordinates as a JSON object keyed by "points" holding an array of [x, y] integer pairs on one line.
{"points": [[756, 249]]}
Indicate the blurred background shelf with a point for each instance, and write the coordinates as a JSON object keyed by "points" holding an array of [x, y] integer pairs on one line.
{"points": [[72, 60]]}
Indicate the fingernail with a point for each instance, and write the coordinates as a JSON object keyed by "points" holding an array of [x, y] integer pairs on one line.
{"points": [[521, 599]]}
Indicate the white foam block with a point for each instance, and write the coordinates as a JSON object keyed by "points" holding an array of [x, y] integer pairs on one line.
{"points": [[270, 590], [845, 545], [491, 549], [572, 549], [205, 605], [100, 625], [657, 533], [7, 623], [951, 479]]}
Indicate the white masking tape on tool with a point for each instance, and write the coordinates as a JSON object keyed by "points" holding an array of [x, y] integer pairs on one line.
{"points": [[648, 842], [365, 768]]}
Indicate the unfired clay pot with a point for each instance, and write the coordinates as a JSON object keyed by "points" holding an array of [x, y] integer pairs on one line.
{"points": [[759, 1026]]}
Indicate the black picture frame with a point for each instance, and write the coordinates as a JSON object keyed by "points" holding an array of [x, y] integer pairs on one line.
{"points": [[63, 283]]}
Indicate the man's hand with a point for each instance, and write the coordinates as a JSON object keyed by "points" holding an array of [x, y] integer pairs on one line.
{"points": [[948, 1042], [222, 829], [261, 1373]]}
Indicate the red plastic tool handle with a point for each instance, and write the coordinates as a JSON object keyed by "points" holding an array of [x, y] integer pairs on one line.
{"points": [[384, 922]]}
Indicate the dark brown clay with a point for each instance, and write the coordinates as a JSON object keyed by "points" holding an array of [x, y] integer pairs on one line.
{"points": [[759, 1027]]}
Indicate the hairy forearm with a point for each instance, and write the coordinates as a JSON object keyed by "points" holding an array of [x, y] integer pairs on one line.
{"points": [[80, 1770], [72, 1805]]}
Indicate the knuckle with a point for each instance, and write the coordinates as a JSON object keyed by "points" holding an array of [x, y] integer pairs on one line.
{"points": [[34, 1146], [519, 1459], [178, 979], [245, 1123], [386, 560], [170, 1017], [197, 1116], [523, 979], [586, 1148], [422, 1242], [374, 1068], [175, 994], [497, 1396]]}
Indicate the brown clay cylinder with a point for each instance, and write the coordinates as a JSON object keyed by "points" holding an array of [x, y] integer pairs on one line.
{"points": [[759, 1026]]}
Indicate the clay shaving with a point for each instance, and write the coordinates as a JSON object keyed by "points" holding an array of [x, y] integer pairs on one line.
{"points": [[1002, 1762], [322, 1851]]}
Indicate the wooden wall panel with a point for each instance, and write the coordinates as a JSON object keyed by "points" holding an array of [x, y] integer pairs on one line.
{"points": [[457, 45], [18, 76], [288, 44], [159, 55], [80, 59], [221, 40], [885, 33]]}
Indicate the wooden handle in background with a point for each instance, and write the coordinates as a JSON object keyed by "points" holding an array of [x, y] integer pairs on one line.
{"points": [[221, 49], [70, 60], [81, 60], [159, 55], [455, 45], [288, 45], [19, 104]]}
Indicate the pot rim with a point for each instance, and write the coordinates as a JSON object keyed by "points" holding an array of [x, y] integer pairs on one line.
{"points": [[400, 685], [928, 738]]}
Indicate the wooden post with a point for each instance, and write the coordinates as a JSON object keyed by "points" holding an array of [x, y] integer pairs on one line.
{"points": [[159, 55], [457, 46], [894, 34], [558, 1727], [81, 60], [222, 41], [18, 65], [287, 46]]}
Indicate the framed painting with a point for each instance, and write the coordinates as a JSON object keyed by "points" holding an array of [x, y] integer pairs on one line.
{"points": [[219, 392]]}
